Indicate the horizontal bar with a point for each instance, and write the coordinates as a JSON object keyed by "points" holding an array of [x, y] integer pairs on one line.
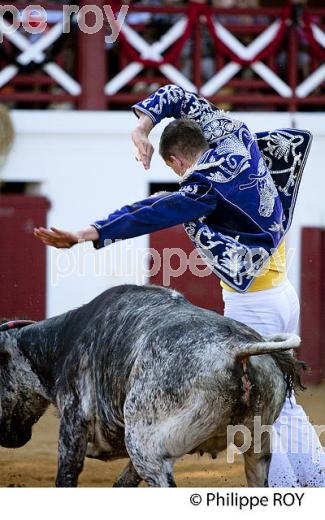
{"points": [[133, 98], [35, 97], [260, 100], [25, 79]]}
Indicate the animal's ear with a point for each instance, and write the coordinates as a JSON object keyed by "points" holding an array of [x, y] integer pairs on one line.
{"points": [[5, 351]]}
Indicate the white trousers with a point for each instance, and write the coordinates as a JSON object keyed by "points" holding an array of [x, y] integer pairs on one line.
{"points": [[298, 459]]}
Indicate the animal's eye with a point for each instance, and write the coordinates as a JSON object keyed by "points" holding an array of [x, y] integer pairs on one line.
{"points": [[5, 352], [4, 358]]}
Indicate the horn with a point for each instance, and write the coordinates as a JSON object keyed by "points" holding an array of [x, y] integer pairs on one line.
{"points": [[15, 324]]}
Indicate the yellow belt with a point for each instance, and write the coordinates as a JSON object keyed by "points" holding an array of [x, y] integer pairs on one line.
{"points": [[273, 274]]}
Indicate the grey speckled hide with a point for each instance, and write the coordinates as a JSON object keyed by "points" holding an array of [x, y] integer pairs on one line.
{"points": [[139, 372]]}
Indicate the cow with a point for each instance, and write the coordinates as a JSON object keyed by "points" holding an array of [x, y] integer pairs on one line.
{"points": [[140, 372]]}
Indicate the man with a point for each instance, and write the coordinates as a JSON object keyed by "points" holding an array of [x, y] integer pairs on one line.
{"points": [[237, 217]]}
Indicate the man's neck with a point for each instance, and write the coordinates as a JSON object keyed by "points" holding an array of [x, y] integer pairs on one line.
{"points": [[191, 164], [198, 156]]}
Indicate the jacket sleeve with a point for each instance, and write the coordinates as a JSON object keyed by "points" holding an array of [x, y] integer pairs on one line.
{"points": [[191, 201], [174, 101]]}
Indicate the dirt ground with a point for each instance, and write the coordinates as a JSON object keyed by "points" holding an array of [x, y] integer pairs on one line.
{"points": [[34, 465]]}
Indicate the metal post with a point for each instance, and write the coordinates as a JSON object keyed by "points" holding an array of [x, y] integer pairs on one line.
{"points": [[92, 62], [293, 58], [197, 55], [312, 302]]}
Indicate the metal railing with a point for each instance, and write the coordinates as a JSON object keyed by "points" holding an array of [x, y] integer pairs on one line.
{"points": [[242, 59]]}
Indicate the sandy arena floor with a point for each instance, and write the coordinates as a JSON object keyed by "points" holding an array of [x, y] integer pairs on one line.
{"points": [[35, 464]]}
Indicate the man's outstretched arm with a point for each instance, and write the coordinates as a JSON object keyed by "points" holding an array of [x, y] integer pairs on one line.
{"points": [[158, 212]]}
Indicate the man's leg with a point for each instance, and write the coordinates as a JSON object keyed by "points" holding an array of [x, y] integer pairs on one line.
{"points": [[305, 452], [299, 439], [295, 462]]}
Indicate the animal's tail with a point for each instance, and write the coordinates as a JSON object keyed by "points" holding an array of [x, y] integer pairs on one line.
{"points": [[277, 346], [277, 343]]}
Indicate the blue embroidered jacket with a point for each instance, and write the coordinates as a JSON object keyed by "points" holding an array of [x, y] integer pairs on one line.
{"points": [[236, 202]]}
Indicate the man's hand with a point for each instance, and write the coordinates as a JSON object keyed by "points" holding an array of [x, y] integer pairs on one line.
{"points": [[141, 142], [56, 237], [65, 239]]}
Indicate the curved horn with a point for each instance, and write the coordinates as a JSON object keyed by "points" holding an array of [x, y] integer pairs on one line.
{"points": [[15, 324]]}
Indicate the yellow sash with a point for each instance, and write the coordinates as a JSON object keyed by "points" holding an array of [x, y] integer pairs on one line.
{"points": [[273, 273]]}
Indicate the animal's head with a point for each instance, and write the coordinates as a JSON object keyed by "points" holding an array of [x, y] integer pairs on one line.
{"points": [[21, 403]]}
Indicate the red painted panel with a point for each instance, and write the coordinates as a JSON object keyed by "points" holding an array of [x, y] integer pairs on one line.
{"points": [[322, 297], [22, 257], [313, 302], [92, 61], [202, 291]]}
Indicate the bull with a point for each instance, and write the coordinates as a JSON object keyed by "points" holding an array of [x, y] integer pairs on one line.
{"points": [[140, 372]]}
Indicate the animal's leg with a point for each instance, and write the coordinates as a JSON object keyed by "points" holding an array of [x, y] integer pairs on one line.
{"points": [[152, 465], [128, 478], [72, 446], [158, 472], [257, 468]]}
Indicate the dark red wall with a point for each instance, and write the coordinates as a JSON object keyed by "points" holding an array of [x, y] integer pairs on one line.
{"points": [[22, 257], [204, 292], [313, 302]]}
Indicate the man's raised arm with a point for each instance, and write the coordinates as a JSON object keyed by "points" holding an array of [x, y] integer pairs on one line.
{"points": [[168, 101], [173, 101]]}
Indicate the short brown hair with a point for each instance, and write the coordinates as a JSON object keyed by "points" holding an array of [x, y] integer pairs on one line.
{"points": [[182, 136]]}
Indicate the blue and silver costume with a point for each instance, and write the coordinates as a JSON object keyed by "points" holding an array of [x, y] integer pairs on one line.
{"points": [[236, 202]]}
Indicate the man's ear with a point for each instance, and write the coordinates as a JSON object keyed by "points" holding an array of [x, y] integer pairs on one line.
{"points": [[175, 160]]}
